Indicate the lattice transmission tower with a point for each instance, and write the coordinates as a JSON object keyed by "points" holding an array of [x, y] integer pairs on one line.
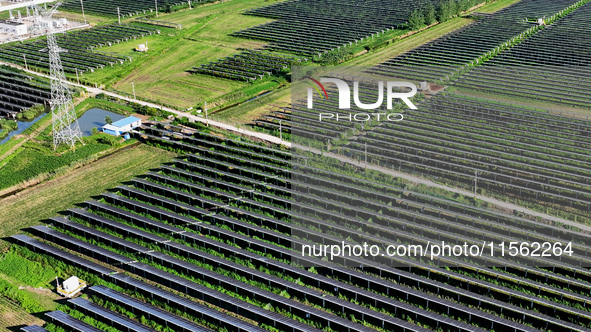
{"points": [[66, 129]]}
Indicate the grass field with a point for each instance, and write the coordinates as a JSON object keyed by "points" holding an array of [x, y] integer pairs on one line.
{"points": [[12, 315], [28, 207], [161, 74]]}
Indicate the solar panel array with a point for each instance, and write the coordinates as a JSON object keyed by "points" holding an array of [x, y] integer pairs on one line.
{"points": [[214, 226]]}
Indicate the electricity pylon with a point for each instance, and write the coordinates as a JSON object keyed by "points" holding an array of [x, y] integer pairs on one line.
{"points": [[66, 129]]}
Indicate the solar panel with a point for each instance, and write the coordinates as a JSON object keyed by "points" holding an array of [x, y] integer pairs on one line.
{"points": [[151, 311], [217, 298], [195, 309], [33, 328], [37, 246], [98, 235], [62, 319], [81, 246], [112, 318], [119, 227], [133, 217]]}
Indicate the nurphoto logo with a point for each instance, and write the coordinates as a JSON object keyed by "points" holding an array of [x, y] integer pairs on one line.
{"points": [[344, 92]]}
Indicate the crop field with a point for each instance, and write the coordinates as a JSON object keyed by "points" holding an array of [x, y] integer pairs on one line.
{"points": [[216, 225]]}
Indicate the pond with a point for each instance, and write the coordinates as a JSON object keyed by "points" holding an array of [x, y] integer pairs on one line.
{"points": [[22, 126], [95, 118]]}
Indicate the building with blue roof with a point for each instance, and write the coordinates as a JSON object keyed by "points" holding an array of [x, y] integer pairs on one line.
{"points": [[122, 126]]}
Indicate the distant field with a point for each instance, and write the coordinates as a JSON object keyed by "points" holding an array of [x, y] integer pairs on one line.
{"points": [[162, 74], [46, 200]]}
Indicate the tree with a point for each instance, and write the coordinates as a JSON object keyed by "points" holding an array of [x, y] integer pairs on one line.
{"points": [[429, 13], [416, 20], [452, 8], [443, 11], [108, 120], [463, 5], [94, 131]]}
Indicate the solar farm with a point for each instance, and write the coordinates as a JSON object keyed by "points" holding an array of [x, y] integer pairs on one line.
{"points": [[225, 215]]}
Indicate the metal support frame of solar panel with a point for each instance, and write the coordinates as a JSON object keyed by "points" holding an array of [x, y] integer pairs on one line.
{"points": [[276, 236], [129, 216], [555, 121], [193, 308], [80, 246], [70, 323], [317, 297], [424, 124], [296, 173], [265, 247], [116, 226], [545, 139], [112, 318], [62, 255], [147, 268], [332, 285], [33, 328], [444, 222], [97, 235], [222, 300], [217, 146], [150, 311], [359, 151], [467, 219], [271, 152], [413, 239], [381, 133], [337, 241], [389, 135]]}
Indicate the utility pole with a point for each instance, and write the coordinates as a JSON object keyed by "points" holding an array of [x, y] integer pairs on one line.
{"points": [[156, 2], [77, 78], [190, 5], [206, 117], [366, 154], [280, 133], [475, 182], [119, 15], [25, 57], [82, 6], [133, 87]]}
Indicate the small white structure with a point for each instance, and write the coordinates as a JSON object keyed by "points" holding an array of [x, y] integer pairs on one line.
{"points": [[71, 286], [423, 86], [13, 28], [122, 126], [142, 47]]}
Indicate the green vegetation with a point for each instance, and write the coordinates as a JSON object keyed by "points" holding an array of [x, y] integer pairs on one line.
{"points": [[62, 193], [37, 159], [161, 74]]}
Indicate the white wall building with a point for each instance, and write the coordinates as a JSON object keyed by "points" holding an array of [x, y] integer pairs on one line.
{"points": [[13, 28]]}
